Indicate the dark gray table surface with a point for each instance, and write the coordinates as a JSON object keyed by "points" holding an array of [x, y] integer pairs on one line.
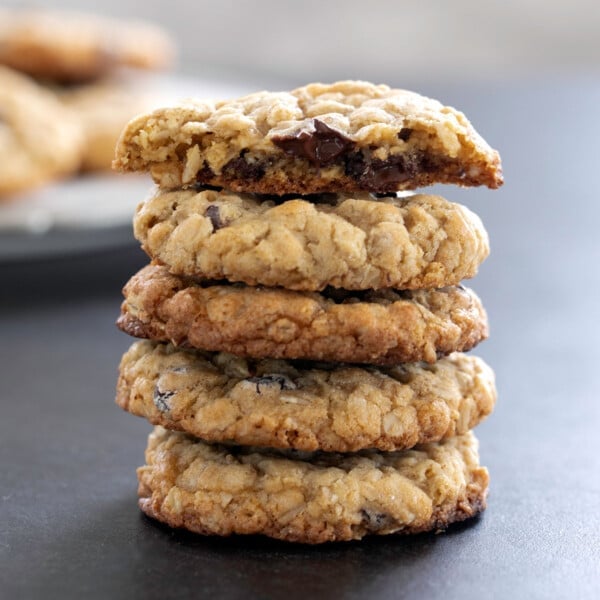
{"points": [[69, 523]]}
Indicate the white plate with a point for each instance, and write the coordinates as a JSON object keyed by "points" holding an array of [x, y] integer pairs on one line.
{"points": [[91, 212], [86, 213]]}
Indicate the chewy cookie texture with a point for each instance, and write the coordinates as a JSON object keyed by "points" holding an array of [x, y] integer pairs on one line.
{"points": [[309, 497], [304, 405], [304, 322], [347, 136], [377, 327], [352, 242]]}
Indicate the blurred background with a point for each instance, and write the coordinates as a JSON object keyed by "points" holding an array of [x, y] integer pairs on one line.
{"points": [[420, 40]]}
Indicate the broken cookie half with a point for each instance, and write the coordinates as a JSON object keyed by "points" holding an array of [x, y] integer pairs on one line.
{"points": [[346, 136]]}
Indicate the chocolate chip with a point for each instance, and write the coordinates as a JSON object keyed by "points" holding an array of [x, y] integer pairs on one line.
{"points": [[242, 168], [318, 143], [214, 214], [161, 399], [268, 380], [375, 521], [204, 174], [384, 175], [405, 133]]}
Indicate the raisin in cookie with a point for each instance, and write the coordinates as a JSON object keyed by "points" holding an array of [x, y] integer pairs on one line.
{"points": [[351, 242], [347, 136], [39, 138], [305, 406], [377, 327], [68, 47], [310, 497]]}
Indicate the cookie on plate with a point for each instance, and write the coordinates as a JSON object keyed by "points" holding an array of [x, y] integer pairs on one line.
{"points": [[66, 47], [103, 109], [303, 405], [310, 497], [378, 327], [355, 242], [39, 138], [346, 136]]}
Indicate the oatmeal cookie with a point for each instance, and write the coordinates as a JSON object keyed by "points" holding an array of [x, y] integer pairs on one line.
{"points": [[103, 109], [353, 242], [66, 47], [305, 406], [347, 136], [377, 327], [39, 138], [310, 497]]}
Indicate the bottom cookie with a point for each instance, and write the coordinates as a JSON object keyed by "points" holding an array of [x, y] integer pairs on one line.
{"points": [[309, 497]]}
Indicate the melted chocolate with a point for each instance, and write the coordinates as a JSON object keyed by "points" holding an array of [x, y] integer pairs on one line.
{"points": [[205, 174], [324, 146], [321, 146], [405, 133], [384, 175], [240, 168]]}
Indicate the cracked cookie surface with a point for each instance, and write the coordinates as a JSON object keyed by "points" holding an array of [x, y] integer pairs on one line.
{"points": [[345, 136], [39, 139], [302, 405], [309, 497], [378, 327], [352, 242]]}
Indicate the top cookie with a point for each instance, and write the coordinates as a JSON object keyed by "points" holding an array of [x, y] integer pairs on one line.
{"points": [[348, 136], [73, 47]]}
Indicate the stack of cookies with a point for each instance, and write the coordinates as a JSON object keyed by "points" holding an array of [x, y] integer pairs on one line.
{"points": [[303, 320]]}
